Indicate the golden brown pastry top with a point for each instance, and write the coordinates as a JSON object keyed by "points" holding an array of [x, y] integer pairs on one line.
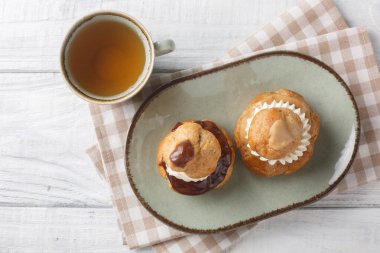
{"points": [[277, 127], [274, 133], [192, 150], [278, 134]]}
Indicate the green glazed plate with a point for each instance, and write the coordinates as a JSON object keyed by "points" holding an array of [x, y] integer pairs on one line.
{"points": [[221, 95]]}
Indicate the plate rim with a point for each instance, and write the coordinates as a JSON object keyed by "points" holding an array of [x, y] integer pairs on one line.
{"points": [[263, 216]]}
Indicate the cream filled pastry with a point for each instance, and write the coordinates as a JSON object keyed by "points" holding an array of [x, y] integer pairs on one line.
{"points": [[195, 157], [276, 133]]}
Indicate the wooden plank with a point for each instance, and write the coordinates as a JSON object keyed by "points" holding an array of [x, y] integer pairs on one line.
{"points": [[32, 230], [32, 31], [328, 231], [44, 132], [27, 230]]}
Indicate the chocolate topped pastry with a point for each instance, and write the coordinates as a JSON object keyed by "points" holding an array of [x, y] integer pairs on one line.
{"points": [[195, 156], [183, 153], [276, 133]]}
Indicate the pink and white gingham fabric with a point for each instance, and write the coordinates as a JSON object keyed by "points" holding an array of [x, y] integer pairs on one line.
{"points": [[315, 28]]}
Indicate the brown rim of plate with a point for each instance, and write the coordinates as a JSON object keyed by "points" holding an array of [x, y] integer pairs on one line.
{"points": [[265, 215]]}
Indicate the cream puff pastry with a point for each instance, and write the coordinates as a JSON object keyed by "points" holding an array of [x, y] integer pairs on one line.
{"points": [[195, 157], [276, 133]]}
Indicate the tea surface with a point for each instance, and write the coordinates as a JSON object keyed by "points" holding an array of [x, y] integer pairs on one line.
{"points": [[106, 57]]}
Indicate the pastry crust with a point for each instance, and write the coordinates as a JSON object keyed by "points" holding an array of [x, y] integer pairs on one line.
{"points": [[205, 147], [263, 168], [275, 132], [163, 147]]}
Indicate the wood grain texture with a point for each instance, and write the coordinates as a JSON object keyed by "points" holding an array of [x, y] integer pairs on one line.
{"points": [[59, 230], [44, 133], [348, 230], [32, 31], [56, 230]]}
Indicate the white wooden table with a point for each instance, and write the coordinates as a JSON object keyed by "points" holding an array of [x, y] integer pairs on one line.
{"points": [[51, 198]]}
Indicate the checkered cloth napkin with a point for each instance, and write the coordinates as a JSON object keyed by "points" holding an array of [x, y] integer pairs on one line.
{"points": [[315, 28]]}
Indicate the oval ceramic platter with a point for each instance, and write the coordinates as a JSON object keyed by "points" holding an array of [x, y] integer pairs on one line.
{"points": [[221, 95]]}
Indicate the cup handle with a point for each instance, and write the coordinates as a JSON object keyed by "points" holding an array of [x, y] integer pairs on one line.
{"points": [[163, 47]]}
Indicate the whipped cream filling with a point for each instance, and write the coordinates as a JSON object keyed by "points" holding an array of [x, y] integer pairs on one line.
{"points": [[182, 175], [305, 140]]}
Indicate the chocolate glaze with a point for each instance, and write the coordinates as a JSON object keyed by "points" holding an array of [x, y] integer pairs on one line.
{"points": [[183, 153], [196, 188], [176, 126]]}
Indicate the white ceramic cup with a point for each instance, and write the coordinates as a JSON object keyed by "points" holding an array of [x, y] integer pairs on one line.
{"points": [[151, 50]]}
